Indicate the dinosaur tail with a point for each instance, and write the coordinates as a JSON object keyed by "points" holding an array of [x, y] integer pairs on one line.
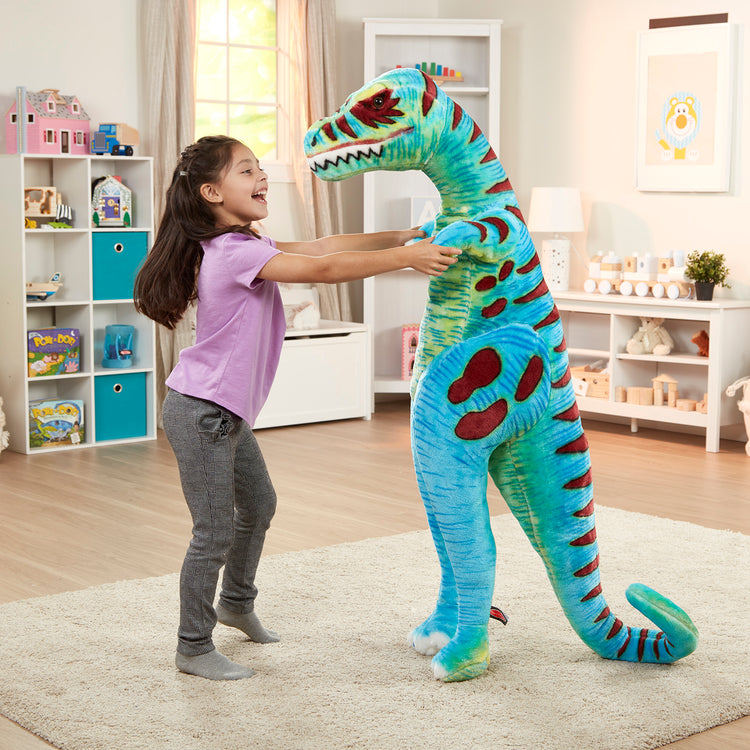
{"points": [[674, 637], [564, 535]]}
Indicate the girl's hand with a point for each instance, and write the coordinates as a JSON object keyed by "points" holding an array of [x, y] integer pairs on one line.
{"points": [[407, 235], [432, 259]]}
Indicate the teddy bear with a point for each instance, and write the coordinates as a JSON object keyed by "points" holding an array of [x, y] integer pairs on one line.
{"points": [[650, 338], [4, 434]]}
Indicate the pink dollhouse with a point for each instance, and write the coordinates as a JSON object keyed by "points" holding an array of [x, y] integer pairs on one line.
{"points": [[51, 123]]}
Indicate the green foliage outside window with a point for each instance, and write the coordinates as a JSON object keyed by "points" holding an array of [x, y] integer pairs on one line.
{"points": [[236, 72]]}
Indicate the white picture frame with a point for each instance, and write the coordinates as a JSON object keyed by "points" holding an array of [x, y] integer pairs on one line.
{"points": [[684, 108]]}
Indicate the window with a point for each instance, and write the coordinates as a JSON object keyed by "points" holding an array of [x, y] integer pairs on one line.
{"points": [[50, 136], [241, 75], [50, 105], [76, 108], [78, 138]]}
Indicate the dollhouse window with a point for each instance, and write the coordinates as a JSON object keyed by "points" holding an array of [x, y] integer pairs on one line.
{"points": [[78, 138], [241, 74], [13, 118], [76, 108], [30, 117], [50, 105], [50, 136]]}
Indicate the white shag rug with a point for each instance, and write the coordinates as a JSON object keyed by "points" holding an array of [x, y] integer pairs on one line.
{"points": [[93, 669]]}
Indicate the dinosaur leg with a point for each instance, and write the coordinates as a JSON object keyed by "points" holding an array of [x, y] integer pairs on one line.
{"points": [[429, 637], [474, 396]]}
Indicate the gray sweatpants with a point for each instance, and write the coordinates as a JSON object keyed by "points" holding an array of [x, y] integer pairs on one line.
{"points": [[231, 500]]}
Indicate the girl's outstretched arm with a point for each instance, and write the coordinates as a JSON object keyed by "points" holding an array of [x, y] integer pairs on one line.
{"points": [[353, 242], [350, 265]]}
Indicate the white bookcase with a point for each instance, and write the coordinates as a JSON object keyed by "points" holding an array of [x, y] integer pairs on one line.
{"points": [[118, 403], [597, 329], [473, 48]]}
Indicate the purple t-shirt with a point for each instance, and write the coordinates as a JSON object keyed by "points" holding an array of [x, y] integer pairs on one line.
{"points": [[240, 328]]}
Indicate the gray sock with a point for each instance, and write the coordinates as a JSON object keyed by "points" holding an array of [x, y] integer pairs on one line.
{"points": [[248, 623], [212, 666]]}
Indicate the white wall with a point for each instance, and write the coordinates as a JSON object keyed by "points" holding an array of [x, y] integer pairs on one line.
{"points": [[568, 118], [81, 47]]}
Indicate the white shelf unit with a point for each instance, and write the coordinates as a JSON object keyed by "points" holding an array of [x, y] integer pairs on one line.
{"points": [[323, 374], [33, 255], [473, 48], [597, 328]]}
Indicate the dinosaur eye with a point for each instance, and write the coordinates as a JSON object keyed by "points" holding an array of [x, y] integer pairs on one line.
{"points": [[378, 102]]}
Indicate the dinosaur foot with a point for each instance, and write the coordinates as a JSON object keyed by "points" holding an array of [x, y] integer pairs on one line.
{"points": [[437, 630], [465, 657]]}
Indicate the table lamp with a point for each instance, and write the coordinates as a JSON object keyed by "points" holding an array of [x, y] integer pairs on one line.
{"points": [[556, 210]]}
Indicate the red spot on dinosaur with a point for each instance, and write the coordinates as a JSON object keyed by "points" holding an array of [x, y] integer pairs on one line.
{"points": [[479, 424], [480, 371]]}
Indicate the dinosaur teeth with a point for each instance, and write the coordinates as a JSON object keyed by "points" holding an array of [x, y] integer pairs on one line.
{"points": [[344, 155]]}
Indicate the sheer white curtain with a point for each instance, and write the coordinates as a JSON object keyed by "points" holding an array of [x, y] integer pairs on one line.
{"points": [[167, 29], [313, 95]]}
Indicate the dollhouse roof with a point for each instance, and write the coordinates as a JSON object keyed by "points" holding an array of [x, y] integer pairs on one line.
{"points": [[63, 102]]}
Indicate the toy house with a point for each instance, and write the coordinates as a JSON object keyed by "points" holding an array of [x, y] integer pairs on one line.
{"points": [[49, 123], [111, 203]]}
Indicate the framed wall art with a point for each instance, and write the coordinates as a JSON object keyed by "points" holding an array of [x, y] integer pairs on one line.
{"points": [[684, 112]]}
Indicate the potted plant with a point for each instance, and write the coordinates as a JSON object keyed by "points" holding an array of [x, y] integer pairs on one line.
{"points": [[706, 269]]}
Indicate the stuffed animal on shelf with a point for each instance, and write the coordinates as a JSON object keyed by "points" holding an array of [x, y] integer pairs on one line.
{"points": [[651, 338], [701, 341], [492, 392], [4, 434], [743, 404]]}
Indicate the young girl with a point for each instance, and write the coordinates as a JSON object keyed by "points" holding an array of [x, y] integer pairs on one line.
{"points": [[206, 249]]}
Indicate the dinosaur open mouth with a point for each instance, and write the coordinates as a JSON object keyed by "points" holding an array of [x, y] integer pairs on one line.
{"points": [[344, 154], [357, 151]]}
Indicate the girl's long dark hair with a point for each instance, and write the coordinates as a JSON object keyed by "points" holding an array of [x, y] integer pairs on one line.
{"points": [[166, 282]]}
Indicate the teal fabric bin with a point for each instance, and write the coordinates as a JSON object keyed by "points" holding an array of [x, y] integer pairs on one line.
{"points": [[117, 256], [120, 406]]}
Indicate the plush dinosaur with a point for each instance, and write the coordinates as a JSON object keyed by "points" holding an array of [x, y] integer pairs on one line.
{"points": [[491, 389]]}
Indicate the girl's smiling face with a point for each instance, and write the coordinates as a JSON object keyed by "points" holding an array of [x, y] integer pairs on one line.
{"points": [[240, 197]]}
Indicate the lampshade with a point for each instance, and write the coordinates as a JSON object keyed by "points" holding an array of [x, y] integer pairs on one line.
{"points": [[555, 209]]}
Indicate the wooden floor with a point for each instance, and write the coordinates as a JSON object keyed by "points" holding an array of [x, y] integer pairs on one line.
{"points": [[80, 518]]}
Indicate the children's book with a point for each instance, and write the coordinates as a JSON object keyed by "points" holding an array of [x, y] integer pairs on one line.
{"points": [[55, 422], [54, 351]]}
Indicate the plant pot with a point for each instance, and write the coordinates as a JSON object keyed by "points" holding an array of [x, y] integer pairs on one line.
{"points": [[704, 290]]}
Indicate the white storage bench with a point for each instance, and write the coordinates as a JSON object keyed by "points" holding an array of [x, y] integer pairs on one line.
{"points": [[324, 374]]}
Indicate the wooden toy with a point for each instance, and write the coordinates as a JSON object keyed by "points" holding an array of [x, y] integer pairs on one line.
{"points": [[439, 73], [686, 404], [49, 123], [621, 394], [640, 275], [111, 203], [53, 351], [409, 341], [641, 396], [55, 422], [114, 138], [594, 381], [40, 202], [701, 341], [672, 393], [702, 406], [38, 291]]}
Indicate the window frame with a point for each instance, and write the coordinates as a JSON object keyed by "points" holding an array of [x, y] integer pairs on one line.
{"points": [[279, 169]]}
